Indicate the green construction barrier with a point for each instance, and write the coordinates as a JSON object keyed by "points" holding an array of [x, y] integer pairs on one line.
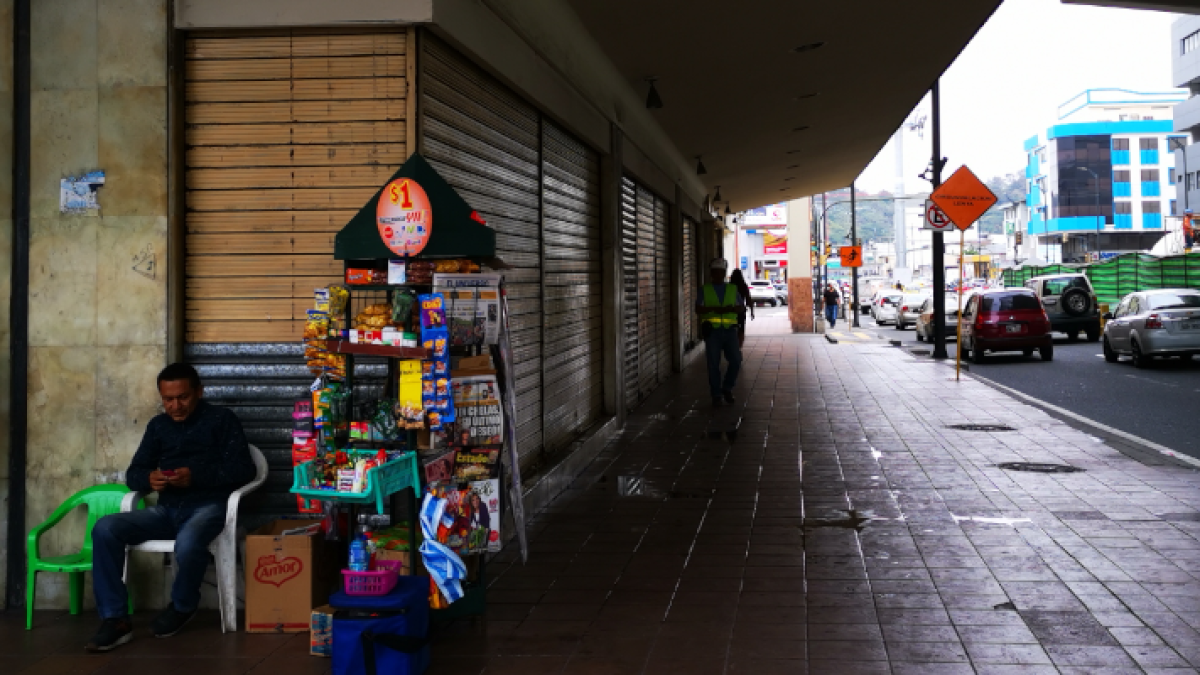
{"points": [[1114, 279]]}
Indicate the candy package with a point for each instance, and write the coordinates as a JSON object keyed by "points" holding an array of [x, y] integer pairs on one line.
{"points": [[433, 311]]}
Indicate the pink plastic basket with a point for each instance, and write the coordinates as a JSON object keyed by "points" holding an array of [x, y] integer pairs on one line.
{"points": [[380, 582]]}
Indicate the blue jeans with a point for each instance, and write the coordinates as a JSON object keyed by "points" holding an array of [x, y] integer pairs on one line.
{"points": [[722, 341], [831, 315], [192, 527]]}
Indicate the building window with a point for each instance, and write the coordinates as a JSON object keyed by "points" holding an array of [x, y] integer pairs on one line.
{"points": [[1148, 143], [1149, 175], [1152, 207], [1189, 43], [1124, 208], [1121, 176], [1120, 144], [1174, 211]]}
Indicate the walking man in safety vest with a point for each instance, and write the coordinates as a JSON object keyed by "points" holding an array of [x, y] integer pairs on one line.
{"points": [[719, 307]]}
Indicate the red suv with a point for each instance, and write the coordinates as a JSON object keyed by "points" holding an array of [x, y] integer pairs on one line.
{"points": [[1006, 320]]}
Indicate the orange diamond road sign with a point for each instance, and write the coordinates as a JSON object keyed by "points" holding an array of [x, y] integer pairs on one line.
{"points": [[851, 256], [963, 198]]}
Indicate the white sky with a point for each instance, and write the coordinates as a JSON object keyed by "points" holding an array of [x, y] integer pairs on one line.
{"points": [[1006, 86]]}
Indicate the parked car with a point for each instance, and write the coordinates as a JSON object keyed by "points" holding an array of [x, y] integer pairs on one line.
{"points": [[781, 294], [762, 292], [1163, 322], [1070, 302], [1005, 320], [924, 323], [885, 306], [910, 308], [867, 288]]}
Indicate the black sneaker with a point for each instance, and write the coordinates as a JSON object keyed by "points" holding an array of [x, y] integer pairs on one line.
{"points": [[717, 403], [170, 622], [112, 634], [728, 397]]}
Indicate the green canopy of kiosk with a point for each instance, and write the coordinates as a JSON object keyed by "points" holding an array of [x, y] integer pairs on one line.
{"points": [[454, 230]]}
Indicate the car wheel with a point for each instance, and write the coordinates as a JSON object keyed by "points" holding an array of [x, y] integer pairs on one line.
{"points": [[899, 326], [1109, 354], [1047, 352], [1093, 333], [1072, 336], [1140, 360], [1027, 352], [920, 337], [1075, 302], [977, 355]]}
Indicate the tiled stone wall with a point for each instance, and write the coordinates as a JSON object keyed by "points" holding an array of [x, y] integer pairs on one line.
{"points": [[97, 324], [800, 304]]}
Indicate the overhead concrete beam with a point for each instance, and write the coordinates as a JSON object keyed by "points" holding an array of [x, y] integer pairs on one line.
{"points": [[193, 14], [1176, 7]]}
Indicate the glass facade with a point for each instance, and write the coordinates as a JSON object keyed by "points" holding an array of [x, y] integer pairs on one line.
{"points": [[1085, 177]]}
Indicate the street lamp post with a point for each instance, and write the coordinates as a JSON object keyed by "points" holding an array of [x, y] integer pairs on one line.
{"points": [[1099, 217]]}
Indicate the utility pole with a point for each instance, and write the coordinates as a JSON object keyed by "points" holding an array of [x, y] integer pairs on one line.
{"points": [[853, 270], [939, 248]]}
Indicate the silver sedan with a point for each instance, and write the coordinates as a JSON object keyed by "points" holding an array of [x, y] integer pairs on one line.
{"points": [[1146, 324]]}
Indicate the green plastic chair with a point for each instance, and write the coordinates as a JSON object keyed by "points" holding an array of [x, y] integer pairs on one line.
{"points": [[100, 501]]}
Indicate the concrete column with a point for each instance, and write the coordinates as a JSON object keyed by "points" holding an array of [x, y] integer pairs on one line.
{"points": [[800, 292], [614, 298]]}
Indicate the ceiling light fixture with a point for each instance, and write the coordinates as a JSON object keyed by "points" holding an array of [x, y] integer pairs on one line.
{"points": [[717, 197], [802, 127], [810, 94], [790, 178], [794, 166], [653, 100], [808, 47], [700, 170], [794, 152]]}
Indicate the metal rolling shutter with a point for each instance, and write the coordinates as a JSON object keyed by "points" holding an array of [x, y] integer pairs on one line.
{"points": [[687, 313], [647, 264], [629, 270], [288, 134], [573, 302], [662, 291], [484, 140]]}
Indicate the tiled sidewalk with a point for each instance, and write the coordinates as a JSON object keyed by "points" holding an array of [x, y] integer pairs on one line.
{"points": [[843, 528], [840, 528]]}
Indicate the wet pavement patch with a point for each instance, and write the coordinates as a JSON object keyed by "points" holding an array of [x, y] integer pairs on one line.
{"points": [[853, 520], [1068, 628], [1079, 515], [980, 427], [1037, 467], [1193, 517]]}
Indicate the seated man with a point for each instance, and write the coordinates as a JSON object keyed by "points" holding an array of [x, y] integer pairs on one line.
{"points": [[193, 455]]}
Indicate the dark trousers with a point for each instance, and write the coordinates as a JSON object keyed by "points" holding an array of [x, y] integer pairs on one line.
{"points": [[722, 341], [831, 312], [192, 527]]}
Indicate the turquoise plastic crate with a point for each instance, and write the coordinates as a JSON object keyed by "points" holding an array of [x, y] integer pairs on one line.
{"points": [[382, 481]]}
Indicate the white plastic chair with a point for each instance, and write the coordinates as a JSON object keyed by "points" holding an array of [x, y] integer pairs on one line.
{"points": [[224, 547]]}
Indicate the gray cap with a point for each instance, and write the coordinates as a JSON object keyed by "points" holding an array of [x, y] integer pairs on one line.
{"points": [[719, 264]]}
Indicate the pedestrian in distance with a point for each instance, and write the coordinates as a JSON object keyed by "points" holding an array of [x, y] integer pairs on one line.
{"points": [[743, 288], [833, 298], [720, 307]]}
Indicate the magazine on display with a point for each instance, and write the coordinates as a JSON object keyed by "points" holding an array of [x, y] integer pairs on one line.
{"points": [[480, 419], [472, 307]]}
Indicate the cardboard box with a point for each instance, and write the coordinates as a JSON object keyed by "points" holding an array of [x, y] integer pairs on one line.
{"points": [[405, 558], [320, 640], [287, 575]]}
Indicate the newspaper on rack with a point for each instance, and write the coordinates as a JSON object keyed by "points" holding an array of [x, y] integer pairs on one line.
{"points": [[472, 307]]}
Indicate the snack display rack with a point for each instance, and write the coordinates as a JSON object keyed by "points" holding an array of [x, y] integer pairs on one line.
{"points": [[437, 231]]}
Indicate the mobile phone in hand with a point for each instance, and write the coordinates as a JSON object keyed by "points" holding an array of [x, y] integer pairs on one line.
{"points": [[169, 473]]}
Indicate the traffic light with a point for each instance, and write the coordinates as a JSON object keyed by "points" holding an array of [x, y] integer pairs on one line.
{"points": [[1018, 238]]}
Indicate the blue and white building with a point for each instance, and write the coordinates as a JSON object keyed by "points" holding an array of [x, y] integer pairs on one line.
{"points": [[1101, 179]]}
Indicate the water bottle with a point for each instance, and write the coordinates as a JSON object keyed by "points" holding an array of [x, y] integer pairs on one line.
{"points": [[359, 560]]}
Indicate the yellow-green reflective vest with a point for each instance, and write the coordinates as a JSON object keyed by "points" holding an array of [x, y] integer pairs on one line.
{"points": [[710, 300]]}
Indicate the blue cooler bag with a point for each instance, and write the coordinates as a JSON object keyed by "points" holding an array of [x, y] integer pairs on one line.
{"points": [[384, 634]]}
